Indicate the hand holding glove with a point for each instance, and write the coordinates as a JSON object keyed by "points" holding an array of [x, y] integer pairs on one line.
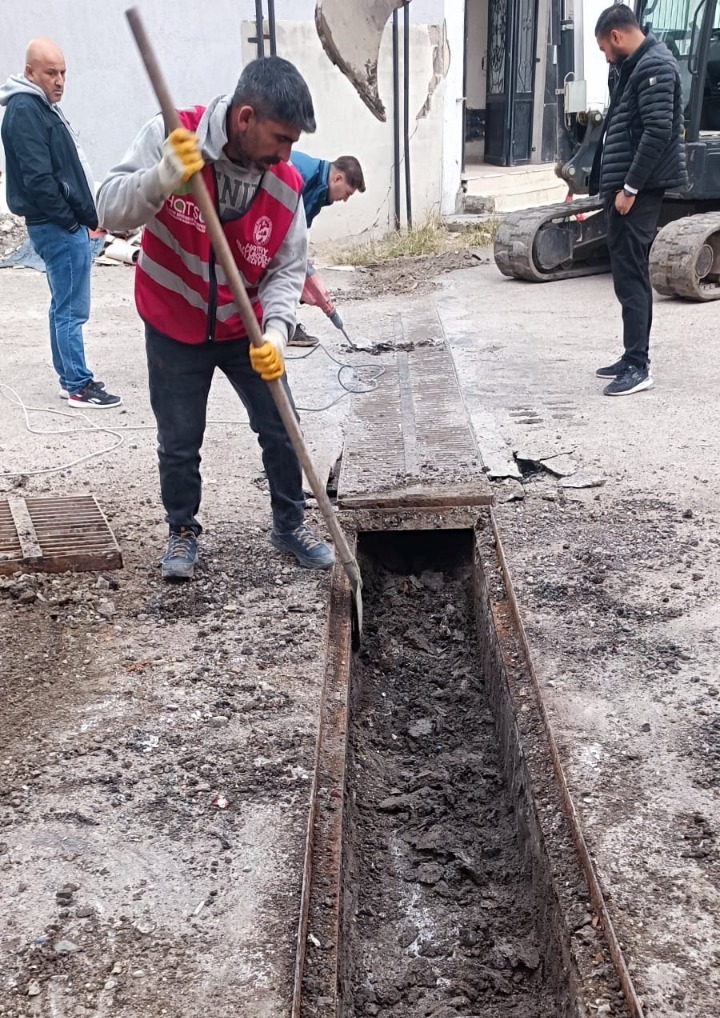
{"points": [[267, 359], [181, 159]]}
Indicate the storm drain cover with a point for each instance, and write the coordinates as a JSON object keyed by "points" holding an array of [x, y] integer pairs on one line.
{"points": [[55, 535], [410, 444]]}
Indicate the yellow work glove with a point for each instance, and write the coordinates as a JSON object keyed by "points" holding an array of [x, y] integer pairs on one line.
{"points": [[181, 159], [267, 359]]}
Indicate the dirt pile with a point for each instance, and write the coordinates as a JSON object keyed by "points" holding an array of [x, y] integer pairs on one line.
{"points": [[411, 275], [12, 233]]}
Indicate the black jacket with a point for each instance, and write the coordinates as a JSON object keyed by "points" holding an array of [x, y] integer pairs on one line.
{"points": [[46, 182], [642, 141]]}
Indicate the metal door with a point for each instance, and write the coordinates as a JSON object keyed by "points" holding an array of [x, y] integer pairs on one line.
{"points": [[510, 81]]}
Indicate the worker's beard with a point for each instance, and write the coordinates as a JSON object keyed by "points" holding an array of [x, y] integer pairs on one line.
{"points": [[265, 164], [236, 154]]}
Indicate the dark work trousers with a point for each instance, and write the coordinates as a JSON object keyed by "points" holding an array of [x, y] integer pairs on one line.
{"points": [[629, 240], [180, 375]]}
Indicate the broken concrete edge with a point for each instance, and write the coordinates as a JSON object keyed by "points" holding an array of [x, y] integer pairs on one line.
{"points": [[582, 480], [560, 465], [437, 35]]}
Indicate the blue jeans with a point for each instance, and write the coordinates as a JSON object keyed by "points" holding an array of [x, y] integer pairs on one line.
{"points": [[68, 260], [180, 375]]}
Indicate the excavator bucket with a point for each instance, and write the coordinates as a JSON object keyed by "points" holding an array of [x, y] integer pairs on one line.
{"points": [[350, 31]]}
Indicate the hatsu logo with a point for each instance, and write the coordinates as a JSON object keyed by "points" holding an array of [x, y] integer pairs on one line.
{"points": [[263, 231], [185, 211]]}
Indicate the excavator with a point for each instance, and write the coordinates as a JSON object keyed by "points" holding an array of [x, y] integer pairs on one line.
{"points": [[569, 239]]}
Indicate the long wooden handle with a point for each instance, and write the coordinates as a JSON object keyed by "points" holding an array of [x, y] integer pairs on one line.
{"points": [[237, 288]]}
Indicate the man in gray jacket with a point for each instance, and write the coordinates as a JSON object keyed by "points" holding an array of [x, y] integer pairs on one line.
{"points": [[241, 144], [641, 154], [49, 183]]}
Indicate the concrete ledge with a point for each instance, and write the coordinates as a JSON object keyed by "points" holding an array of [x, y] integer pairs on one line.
{"points": [[464, 222]]}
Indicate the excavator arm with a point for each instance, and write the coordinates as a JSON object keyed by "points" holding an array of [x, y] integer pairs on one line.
{"points": [[350, 31]]}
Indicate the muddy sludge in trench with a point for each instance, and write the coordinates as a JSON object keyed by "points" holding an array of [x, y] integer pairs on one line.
{"points": [[440, 916]]}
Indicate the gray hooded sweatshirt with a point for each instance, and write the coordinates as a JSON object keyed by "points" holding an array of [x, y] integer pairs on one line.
{"points": [[131, 195], [18, 83]]}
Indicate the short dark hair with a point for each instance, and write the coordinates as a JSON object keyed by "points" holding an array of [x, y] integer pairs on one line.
{"points": [[277, 91], [352, 169], [619, 16]]}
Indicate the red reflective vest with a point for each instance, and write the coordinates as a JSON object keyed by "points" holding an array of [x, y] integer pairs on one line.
{"points": [[178, 289]]}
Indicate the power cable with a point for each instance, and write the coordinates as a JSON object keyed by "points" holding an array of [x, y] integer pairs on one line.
{"points": [[360, 387]]}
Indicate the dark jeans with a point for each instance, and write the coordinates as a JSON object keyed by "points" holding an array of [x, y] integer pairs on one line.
{"points": [[68, 260], [180, 375], [629, 240]]}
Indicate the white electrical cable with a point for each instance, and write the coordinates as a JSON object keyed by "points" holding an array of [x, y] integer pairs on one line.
{"points": [[117, 432]]}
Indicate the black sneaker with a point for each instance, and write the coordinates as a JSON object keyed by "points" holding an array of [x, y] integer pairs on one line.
{"points": [[613, 370], [180, 559], [633, 379], [63, 394], [310, 552], [302, 338], [92, 396]]}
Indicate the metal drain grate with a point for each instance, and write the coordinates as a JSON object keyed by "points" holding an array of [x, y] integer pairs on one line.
{"points": [[410, 444], [55, 535]]}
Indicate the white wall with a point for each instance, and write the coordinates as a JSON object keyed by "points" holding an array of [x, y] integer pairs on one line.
{"points": [[347, 127], [594, 63]]}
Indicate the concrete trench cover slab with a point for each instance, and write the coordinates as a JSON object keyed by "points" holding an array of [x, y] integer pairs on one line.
{"points": [[410, 443]]}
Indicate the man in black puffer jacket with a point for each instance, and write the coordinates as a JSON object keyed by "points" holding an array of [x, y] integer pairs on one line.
{"points": [[641, 154], [49, 183]]}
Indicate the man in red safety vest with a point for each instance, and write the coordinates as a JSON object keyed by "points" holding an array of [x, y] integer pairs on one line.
{"points": [[241, 144]]}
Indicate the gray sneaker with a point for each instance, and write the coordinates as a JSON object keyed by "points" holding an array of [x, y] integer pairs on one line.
{"points": [[180, 559], [310, 552], [301, 337], [633, 379]]}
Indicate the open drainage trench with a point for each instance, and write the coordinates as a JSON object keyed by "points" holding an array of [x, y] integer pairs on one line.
{"points": [[443, 887]]}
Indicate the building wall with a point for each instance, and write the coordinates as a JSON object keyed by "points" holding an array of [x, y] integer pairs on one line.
{"points": [[108, 97], [347, 127]]}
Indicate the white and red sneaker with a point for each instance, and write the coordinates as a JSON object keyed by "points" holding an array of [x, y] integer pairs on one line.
{"points": [[93, 397]]}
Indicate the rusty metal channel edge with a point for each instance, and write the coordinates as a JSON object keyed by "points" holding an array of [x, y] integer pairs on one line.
{"points": [[596, 893], [331, 736]]}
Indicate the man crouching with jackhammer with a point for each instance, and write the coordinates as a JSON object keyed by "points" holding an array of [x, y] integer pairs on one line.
{"points": [[241, 144]]}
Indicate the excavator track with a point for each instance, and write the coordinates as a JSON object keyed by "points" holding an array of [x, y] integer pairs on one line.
{"points": [[685, 258], [553, 242]]}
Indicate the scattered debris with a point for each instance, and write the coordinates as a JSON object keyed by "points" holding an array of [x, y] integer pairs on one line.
{"points": [[17, 250], [508, 490], [66, 947], [582, 480]]}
